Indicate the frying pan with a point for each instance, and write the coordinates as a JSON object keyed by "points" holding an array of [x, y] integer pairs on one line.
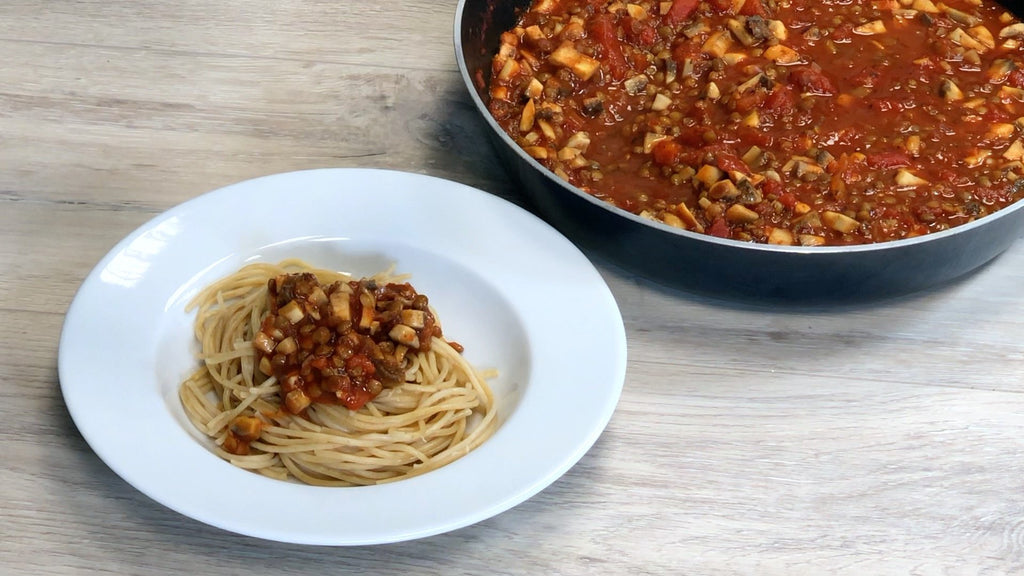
{"points": [[703, 263]]}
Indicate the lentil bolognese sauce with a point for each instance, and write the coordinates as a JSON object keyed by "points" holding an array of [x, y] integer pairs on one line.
{"points": [[810, 122], [313, 375]]}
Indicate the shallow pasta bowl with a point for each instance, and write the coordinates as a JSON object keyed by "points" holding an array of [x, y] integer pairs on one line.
{"points": [[709, 264]]}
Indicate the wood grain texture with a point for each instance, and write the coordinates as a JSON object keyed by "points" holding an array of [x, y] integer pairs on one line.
{"points": [[884, 438]]}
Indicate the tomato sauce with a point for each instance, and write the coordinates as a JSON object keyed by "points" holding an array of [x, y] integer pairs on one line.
{"points": [[793, 122], [340, 343]]}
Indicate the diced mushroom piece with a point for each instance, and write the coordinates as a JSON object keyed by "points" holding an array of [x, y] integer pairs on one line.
{"points": [[733, 58], [579, 162], [549, 110], [977, 158], [526, 120], [538, 152], [296, 401], [712, 92], [688, 218], [723, 190], [824, 158], [983, 36], [809, 221], [510, 69], [579, 141], [661, 102], [1013, 170], [246, 428], [759, 28], [636, 11], [707, 175], [506, 51], [534, 33], [1011, 93], [1015, 151], [949, 91], [791, 164], [913, 144], [593, 106], [547, 129], [670, 70], [780, 236], [717, 44], [811, 240], [781, 54], [317, 297], [534, 89], [999, 70], [567, 154], [1001, 130], [404, 335], [688, 67], [265, 366], [636, 84], [263, 343], [652, 138], [961, 38], [292, 311], [340, 308], [870, 28], [414, 318], [740, 32], [906, 178], [369, 304], [1013, 31], [778, 29], [974, 103], [958, 16], [753, 82], [567, 56], [286, 346], [753, 156], [740, 214], [672, 220], [807, 170], [925, 6], [839, 222], [696, 29], [740, 177], [544, 6], [499, 93]]}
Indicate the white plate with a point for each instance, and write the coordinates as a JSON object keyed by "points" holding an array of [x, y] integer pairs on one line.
{"points": [[519, 296]]}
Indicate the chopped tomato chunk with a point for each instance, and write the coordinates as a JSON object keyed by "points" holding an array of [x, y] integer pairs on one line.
{"points": [[602, 28], [680, 11]]}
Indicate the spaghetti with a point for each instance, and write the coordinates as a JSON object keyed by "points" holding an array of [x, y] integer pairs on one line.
{"points": [[309, 374]]}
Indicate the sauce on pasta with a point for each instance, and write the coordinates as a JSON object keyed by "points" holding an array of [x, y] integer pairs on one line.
{"points": [[313, 375]]}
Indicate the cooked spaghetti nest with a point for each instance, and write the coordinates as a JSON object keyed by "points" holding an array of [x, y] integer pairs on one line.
{"points": [[442, 410]]}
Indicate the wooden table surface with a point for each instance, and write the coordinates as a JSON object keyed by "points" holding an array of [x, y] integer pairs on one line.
{"points": [[876, 438]]}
